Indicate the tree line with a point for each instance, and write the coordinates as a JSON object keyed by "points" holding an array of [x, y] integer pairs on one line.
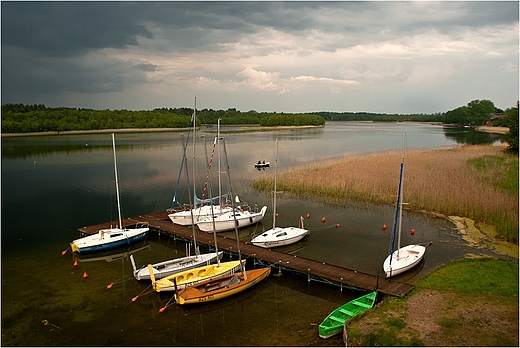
{"points": [[20, 118]]}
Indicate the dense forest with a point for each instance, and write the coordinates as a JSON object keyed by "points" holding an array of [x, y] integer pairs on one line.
{"points": [[20, 118]]}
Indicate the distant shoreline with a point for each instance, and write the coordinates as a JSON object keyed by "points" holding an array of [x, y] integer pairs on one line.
{"points": [[96, 131], [487, 129], [138, 130]]}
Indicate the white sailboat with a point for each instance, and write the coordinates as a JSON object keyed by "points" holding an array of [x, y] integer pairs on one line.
{"points": [[279, 236], [174, 266], [401, 259], [240, 216], [219, 287], [112, 237], [170, 267], [200, 211], [186, 278]]}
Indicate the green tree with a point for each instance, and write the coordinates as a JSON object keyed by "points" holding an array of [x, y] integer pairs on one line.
{"points": [[512, 123], [479, 111]]}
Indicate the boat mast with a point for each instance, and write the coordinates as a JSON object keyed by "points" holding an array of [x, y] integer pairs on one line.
{"points": [[117, 182], [191, 210], [219, 170], [215, 142], [194, 137], [175, 194], [274, 195], [401, 197], [234, 213]]}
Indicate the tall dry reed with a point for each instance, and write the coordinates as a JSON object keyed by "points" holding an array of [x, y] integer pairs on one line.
{"points": [[439, 180]]}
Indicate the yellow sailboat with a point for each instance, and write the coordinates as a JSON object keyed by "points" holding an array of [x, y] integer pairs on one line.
{"points": [[223, 286], [181, 280]]}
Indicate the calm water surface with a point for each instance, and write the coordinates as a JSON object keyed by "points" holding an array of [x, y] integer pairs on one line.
{"points": [[51, 185]]}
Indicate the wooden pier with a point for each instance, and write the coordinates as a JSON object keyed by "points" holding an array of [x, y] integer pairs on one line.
{"points": [[315, 270]]}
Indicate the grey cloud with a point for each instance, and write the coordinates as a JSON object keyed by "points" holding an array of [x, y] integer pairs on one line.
{"points": [[76, 47], [70, 28]]}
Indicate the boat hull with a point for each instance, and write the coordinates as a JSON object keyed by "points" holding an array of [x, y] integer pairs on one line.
{"points": [[221, 287], [183, 218], [333, 323], [181, 280], [403, 259], [280, 236], [226, 221], [170, 267], [108, 239]]}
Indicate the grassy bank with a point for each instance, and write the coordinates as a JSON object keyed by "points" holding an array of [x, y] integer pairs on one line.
{"points": [[479, 182], [469, 302]]}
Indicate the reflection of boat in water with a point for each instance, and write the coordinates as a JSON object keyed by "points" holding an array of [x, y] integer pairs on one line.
{"points": [[109, 256]]}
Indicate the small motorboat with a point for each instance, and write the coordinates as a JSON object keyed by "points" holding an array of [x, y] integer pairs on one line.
{"points": [[262, 164]]}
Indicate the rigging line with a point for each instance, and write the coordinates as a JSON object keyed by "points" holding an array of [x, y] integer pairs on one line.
{"points": [[175, 198]]}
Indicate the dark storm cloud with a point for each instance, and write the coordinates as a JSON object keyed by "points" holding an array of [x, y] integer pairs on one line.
{"points": [[70, 28], [62, 48]]}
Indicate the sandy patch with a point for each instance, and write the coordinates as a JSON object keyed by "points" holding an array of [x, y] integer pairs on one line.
{"points": [[489, 129]]}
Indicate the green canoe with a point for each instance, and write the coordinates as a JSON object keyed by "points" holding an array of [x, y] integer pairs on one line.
{"points": [[333, 323]]}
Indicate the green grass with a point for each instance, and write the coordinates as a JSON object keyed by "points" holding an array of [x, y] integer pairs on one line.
{"points": [[499, 171], [483, 275]]}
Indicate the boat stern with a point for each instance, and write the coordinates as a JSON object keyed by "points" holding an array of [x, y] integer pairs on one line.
{"points": [[74, 247]]}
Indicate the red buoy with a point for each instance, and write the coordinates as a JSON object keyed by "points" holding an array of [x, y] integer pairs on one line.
{"points": [[276, 214], [76, 263], [337, 225], [85, 275], [431, 243], [109, 286], [384, 227], [64, 252], [135, 298], [323, 219], [412, 232], [308, 215], [162, 309]]}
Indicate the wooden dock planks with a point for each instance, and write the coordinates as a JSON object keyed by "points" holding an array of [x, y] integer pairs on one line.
{"points": [[330, 272]]}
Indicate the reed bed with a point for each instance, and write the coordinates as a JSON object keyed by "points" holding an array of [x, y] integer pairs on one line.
{"points": [[445, 181]]}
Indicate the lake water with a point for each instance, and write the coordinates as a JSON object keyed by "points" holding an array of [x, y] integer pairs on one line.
{"points": [[51, 185]]}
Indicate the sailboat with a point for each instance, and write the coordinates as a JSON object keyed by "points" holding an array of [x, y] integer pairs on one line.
{"points": [[182, 279], [169, 267], [279, 236], [201, 208], [239, 217], [220, 287], [112, 237], [174, 266], [401, 259]]}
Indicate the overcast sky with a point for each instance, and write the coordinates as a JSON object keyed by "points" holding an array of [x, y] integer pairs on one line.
{"points": [[384, 57]]}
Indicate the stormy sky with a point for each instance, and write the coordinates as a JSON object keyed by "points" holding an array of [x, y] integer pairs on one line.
{"points": [[384, 57]]}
